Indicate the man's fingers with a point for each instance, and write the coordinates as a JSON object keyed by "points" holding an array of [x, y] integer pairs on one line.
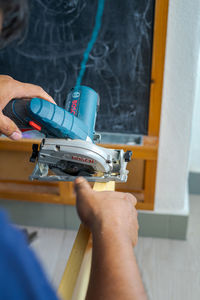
{"points": [[9, 128], [27, 90], [81, 186], [131, 198]]}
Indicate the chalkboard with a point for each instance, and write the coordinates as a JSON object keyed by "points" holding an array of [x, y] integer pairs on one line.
{"points": [[119, 66]]}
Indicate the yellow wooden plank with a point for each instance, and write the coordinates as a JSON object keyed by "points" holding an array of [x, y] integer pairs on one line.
{"points": [[150, 182], [82, 282], [75, 279], [71, 272]]}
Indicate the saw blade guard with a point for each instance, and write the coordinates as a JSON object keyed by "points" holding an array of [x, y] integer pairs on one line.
{"points": [[57, 154]]}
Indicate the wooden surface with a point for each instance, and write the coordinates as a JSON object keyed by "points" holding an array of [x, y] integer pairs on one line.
{"points": [[15, 165], [16, 168], [135, 181], [149, 182], [68, 282], [74, 283], [24, 145], [157, 73], [80, 288], [148, 150], [158, 60]]}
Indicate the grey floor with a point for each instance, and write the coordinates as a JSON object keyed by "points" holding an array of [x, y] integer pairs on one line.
{"points": [[170, 269]]}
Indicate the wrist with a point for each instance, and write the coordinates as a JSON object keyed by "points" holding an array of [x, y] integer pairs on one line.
{"points": [[107, 231]]}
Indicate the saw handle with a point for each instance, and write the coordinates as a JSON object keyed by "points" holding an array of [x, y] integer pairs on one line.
{"points": [[46, 117], [17, 111], [76, 121]]}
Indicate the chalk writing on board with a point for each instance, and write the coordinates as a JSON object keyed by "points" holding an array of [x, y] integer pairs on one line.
{"points": [[119, 65]]}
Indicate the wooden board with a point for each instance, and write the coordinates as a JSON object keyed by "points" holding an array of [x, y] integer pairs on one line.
{"points": [[16, 168], [146, 151], [74, 283], [158, 61], [135, 177], [15, 165]]}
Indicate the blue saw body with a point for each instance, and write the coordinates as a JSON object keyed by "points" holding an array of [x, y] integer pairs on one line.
{"points": [[77, 121], [83, 103]]}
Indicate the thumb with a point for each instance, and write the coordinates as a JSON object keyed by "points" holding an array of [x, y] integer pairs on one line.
{"points": [[83, 196], [81, 186], [9, 128]]}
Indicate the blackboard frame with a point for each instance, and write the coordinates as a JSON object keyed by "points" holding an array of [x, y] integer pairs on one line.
{"points": [[157, 74]]}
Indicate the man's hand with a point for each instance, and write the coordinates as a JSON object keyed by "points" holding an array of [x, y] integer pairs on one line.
{"points": [[105, 211], [112, 218], [10, 89]]}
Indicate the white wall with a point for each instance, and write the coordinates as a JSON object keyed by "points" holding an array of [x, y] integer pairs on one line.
{"points": [[195, 145], [179, 92]]}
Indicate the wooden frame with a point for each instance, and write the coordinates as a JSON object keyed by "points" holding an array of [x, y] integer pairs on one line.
{"points": [[56, 192], [158, 61], [75, 279], [61, 192]]}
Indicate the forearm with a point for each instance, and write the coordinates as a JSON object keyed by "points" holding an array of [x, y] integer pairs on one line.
{"points": [[114, 273]]}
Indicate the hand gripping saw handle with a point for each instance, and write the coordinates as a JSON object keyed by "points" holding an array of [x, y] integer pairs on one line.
{"points": [[77, 121]]}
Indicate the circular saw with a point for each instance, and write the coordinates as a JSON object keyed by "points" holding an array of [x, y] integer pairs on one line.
{"points": [[68, 149]]}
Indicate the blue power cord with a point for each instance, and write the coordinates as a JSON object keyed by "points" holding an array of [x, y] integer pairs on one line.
{"points": [[92, 41]]}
